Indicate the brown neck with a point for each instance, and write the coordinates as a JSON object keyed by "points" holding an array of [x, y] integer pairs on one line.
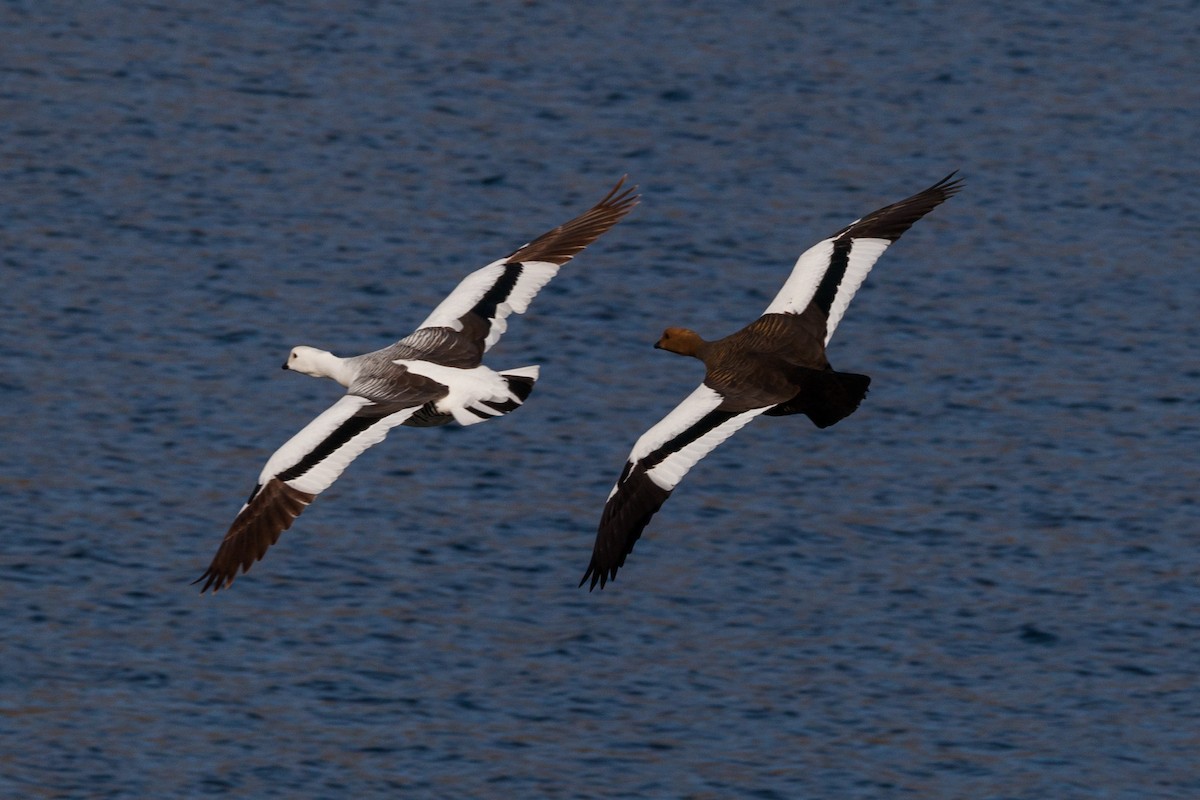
{"points": [[683, 341]]}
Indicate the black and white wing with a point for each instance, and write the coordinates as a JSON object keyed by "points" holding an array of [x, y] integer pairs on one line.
{"points": [[830, 272], [483, 301], [300, 470], [658, 462]]}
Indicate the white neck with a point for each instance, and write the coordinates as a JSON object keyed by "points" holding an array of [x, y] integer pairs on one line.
{"points": [[321, 364]]}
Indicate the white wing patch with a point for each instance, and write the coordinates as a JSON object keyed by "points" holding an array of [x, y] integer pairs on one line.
{"points": [[325, 470], [669, 471], [863, 255], [470, 290], [693, 407], [534, 275], [801, 285]]}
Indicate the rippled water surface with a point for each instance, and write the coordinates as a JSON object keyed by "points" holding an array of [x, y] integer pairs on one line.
{"points": [[983, 584]]}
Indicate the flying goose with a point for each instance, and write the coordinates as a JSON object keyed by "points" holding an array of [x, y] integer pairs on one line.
{"points": [[776, 366], [430, 377]]}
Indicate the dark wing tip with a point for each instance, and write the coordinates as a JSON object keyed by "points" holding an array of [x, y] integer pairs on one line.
{"points": [[625, 517], [215, 580], [590, 572], [208, 577], [618, 200], [890, 222], [947, 186], [270, 511], [560, 245], [598, 575]]}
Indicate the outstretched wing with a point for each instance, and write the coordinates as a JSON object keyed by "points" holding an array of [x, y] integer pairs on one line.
{"points": [[829, 273], [300, 470], [482, 302], [660, 459]]}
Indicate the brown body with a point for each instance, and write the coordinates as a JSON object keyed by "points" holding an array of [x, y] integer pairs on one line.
{"points": [[777, 360]]}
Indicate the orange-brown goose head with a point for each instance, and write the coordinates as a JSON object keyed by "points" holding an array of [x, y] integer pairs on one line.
{"points": [[684, 341]]}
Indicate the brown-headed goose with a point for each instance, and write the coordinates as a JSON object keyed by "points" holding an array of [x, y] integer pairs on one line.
{"points": [[430, 377], [776, 365]]}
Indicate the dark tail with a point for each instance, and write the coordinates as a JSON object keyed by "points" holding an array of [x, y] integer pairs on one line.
{"points": [[827, 396]]}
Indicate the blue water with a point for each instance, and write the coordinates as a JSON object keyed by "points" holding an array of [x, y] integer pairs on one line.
{"points": [[983, 584]]}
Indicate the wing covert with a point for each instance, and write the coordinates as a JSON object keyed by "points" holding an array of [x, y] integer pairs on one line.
{"points": [[508, 285], [295, 474], [830, 273], [658, 462]]}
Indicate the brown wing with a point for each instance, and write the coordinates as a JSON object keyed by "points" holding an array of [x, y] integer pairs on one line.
{"points": [[479, 306], [559, 245], [302, 468], [269, 513]]}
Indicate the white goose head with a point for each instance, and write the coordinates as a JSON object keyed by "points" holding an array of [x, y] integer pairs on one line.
{"points": [[318, 363]]}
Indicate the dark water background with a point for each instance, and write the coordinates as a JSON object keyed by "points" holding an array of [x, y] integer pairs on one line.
{"points": [[984, 584]]}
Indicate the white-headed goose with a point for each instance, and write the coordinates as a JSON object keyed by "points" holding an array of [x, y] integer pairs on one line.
{"points": [[776, 365], [432, 376]]}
